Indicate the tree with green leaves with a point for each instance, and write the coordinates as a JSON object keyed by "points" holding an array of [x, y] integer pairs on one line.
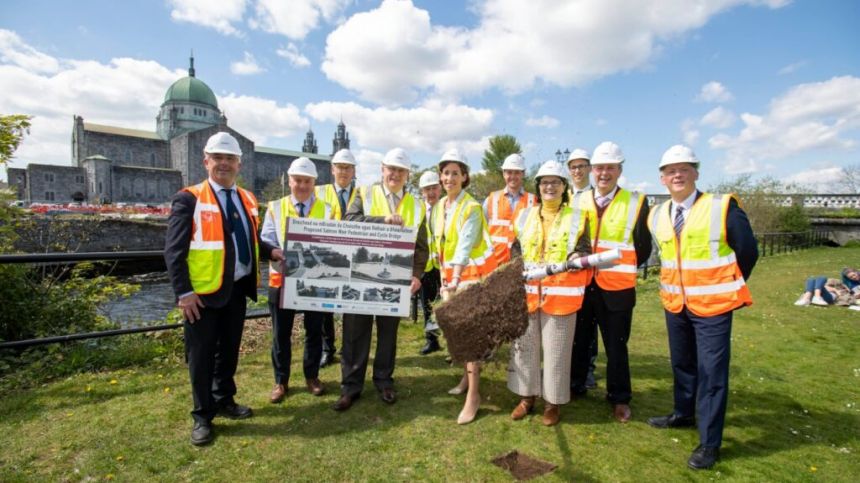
{"points": [[501, 147], [12, 130]]}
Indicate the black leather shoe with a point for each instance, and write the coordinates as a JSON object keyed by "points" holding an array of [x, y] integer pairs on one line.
{"points": [[201, 434], [327, 359], [672, 421], [234, 411], [388, 396], [703, 458], [345, 402], [431, 346]]}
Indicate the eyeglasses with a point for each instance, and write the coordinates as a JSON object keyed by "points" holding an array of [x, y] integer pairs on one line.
{"points": [[579, 167], [547, 184]]}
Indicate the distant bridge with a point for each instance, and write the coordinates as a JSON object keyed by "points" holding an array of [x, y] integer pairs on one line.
{"points": [[832, 201]]}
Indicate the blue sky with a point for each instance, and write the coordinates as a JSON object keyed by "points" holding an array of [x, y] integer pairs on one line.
{"points": [[770, 87]]}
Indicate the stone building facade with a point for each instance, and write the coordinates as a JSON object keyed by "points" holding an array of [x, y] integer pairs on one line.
{"points": [[112, 164]]}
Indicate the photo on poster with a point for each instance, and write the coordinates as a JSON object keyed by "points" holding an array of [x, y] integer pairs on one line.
{"points": [[384, 294], [309, 289], [348, 292], [381, 266], [317, 261]]}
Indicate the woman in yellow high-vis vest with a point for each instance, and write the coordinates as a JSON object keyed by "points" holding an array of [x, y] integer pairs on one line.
{"points": [[462, 244], [553, 231]]}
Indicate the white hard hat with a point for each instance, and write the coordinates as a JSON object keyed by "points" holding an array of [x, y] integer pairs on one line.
{"points": [[397, 158], [302, 167], [607, 153], [222, 142], [551, 168], [578, 153], [344, 156], [429, 178], [453, 155], [679, 154], [514, 162]]}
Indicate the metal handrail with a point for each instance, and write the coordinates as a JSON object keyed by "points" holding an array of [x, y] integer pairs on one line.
{"points": [[85, 257]]}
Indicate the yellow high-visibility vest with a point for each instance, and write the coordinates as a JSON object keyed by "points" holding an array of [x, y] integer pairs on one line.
{"points": [[446, 234], [282, 210], [559, 294], [328, 193], [614, 230]]}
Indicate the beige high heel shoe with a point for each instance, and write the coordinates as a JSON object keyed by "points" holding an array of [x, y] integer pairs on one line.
{"points": [[467, 414]]}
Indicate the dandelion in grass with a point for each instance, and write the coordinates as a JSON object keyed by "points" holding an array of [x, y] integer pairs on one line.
{"points": [[120, 457], [813, 469], [166, 390], [114, 381]]}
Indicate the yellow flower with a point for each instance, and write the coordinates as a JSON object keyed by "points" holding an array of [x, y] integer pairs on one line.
{"points": [[113, 381], [120, 458], [166, 390], [109, 476], [89, 388], [813, 469]]}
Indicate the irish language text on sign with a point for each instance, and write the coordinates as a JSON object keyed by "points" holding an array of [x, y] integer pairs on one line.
{"points": [[349, 267]]}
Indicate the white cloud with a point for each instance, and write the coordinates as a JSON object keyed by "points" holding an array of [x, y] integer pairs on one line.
{"points": [[369, 166], [247, 66], [689, 133], [124, 92], [14, 51], [821, 179], [819, 115], [430, 128], [543, 121], [394, 53], [719, 117], [292, 54], [294, 18], [714, 92], [792, 68], [262, 119], [640, 186], [219, 15]]}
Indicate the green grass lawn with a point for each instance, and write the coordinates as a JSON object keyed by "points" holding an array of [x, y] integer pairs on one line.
{"points": [[794, 412]]}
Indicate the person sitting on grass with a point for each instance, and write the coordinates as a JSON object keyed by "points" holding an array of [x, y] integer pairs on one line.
{"points": [[825, 291]]}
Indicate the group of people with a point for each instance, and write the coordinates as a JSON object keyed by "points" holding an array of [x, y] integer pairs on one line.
{"points": [[706, 246]]}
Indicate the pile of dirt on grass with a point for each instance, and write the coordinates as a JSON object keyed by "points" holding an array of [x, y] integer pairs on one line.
{"points": [[522, 466], [481, 317]]}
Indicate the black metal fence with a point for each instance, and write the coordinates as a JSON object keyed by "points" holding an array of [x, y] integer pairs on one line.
{"points": [[68, 258], [770, 244]]}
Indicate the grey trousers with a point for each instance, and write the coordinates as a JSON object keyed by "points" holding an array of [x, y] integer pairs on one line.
{"points": [[553, 334]]}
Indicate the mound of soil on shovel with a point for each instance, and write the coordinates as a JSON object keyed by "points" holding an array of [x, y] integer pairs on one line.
{"points": [[481, 317]]}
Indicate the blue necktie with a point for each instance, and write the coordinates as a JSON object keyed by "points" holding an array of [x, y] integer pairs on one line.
{"points": [[301, 207], [679, 220], [342, 198], [242, 246]]}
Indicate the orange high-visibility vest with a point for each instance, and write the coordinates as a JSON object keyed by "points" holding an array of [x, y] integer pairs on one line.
{"points": [[281, 210], [500, 217], [559, 294], [614, 230], [698, 269], [206, 252]]}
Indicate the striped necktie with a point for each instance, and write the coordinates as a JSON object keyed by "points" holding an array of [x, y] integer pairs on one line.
{"points": [[679, 220], [238, 228]]}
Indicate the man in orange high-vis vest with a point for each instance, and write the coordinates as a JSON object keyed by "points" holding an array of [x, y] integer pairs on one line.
{"points": [[500, 206], [618, 220], [707, 252], [212, 255]]}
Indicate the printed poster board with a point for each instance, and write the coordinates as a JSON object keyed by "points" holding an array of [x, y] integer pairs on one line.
{"points": [[347, 267]]}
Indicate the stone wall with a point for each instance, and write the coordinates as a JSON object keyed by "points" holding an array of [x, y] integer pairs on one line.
{"points": [[145, 185], [55, 184], [94, 234], [127, 150]]}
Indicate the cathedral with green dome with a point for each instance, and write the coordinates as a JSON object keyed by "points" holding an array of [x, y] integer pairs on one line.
{"points": [[112, 164]]}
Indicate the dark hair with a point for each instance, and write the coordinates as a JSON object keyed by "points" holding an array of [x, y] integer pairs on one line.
{"points": [[464, 168], [565, 195]]}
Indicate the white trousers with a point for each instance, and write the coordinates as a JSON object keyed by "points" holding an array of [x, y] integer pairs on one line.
{"points": [[553, 333]]}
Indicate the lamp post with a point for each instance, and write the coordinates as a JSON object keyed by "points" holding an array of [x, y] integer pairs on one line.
{"points": [[562, 156]]}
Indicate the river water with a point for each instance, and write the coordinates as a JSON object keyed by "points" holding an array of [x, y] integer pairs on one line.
{"points": [[150, 305]]}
